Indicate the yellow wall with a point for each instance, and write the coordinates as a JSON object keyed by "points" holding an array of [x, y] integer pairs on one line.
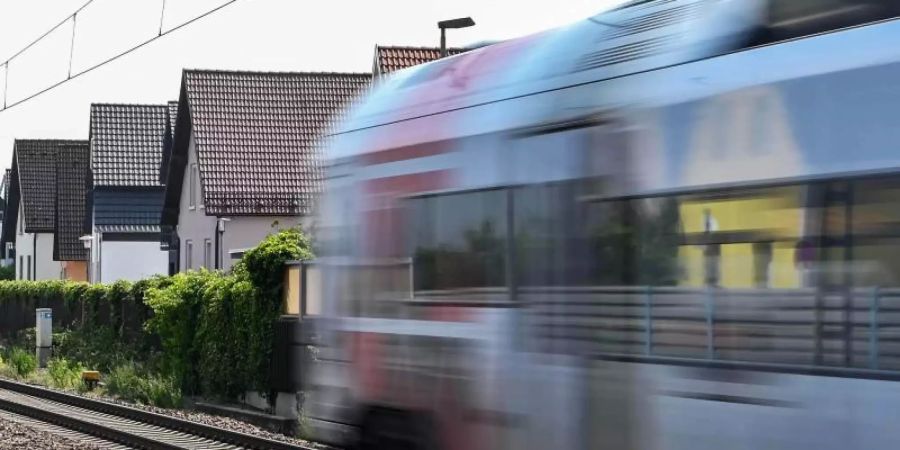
{"points": [[777, 215], [292, 290]]}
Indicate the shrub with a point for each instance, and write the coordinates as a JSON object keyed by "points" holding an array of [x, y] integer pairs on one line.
{"points": [[176, 310], [5, 370], [22, 362], [8, 272], [263, 267], [205, 332], [100, 348], [64, 374], [130, 383], [216, 330]]}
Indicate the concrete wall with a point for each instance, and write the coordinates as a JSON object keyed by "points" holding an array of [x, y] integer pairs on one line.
{"points": [[132, 261], [196, 227]]}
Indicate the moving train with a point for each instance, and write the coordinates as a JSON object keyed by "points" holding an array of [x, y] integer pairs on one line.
{"points": [[672, 225]]}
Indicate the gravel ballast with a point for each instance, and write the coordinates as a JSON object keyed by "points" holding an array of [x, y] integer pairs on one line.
{"points": [[227, 423], [15, 435]]}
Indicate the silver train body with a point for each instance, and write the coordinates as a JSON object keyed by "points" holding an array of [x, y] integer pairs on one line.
{"points": [[670, 226]]}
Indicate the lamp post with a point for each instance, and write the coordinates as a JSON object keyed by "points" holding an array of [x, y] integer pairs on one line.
{"points": [[462, 22]]}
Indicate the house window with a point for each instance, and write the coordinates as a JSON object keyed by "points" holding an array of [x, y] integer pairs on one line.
{"points": [[188, 254], [208, 254], [193, 186], [29, 267], [21, 266]]}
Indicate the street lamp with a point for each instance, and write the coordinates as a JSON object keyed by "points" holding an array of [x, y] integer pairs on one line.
{"points": [[462, 22]]}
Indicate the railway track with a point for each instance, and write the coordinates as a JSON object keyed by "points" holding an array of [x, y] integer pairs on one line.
{"points": [[124, 425], [81, 438]]}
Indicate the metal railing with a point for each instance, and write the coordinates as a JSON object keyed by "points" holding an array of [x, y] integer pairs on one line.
{"points": [[857, 328]]}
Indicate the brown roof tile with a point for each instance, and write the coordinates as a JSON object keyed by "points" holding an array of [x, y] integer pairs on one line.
{"points": [[391, 58], [256, 136]]}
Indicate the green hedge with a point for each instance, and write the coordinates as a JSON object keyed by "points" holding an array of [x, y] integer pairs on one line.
{"points": [[210, 331]]}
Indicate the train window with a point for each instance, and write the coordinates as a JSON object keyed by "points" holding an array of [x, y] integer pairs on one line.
{"points": [[551, 246], [796, 18], [636, 242], [460, 240], [875, 226]]}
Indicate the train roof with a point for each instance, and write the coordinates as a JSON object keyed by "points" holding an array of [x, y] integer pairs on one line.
{"points": [[638, 37]]}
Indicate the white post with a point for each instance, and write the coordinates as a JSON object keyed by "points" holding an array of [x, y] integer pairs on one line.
{"points": [[44, 335]]}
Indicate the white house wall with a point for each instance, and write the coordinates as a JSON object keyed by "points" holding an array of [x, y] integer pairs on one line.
{"points": [[47, 268], [131, 261], [39, 246], [24, 250]]}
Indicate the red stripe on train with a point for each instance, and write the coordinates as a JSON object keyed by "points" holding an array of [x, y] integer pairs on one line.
{"points": [[405, 153]]}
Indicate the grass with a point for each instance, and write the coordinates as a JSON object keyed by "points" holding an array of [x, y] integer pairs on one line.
{"points": [[64, 374], [126, 380], [129, 382], [23, 363]]}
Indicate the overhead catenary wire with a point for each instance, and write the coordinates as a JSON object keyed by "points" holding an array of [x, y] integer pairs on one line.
{"points": [[116, 56], [46, 33], [72, 43], [162, 15]]}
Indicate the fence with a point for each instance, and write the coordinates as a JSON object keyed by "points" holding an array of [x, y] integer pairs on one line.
{"points": [[17, 314], [855, 328]]}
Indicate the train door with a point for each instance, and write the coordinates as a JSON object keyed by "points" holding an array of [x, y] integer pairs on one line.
{"points": [[551, 171]]}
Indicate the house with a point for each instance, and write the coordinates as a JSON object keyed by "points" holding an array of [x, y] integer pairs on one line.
{"points": [[7, 257], [127, 143], [244, 159], [390, 58], [73, 186], [30, 216]]}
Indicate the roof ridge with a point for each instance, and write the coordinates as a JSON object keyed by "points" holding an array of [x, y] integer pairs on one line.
{"points": [[158, 105], [17, 141], [417, 47], [285, 73]]}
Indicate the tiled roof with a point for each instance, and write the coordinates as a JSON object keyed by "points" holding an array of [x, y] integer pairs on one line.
{"points": [[5, 192], [127, 209], [10, 206], [127, 144], [73, 186], [256, 137], [35, 162], [391, 58], [173, 114], [172, 117]]}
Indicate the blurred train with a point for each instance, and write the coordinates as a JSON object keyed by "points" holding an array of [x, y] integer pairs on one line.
{"points": [[673, 225]]}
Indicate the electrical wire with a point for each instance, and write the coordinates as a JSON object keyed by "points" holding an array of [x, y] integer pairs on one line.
{"points": [[102, 63], [54, 28]]}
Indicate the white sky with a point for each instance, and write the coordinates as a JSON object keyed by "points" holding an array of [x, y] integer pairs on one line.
{"points": [[282, 35]]}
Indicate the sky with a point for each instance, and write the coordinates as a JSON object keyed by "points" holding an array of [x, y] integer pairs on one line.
{"points": [[265, 35]]}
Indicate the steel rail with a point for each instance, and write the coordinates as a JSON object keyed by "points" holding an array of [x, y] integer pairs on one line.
{"points": [[234, 438]]}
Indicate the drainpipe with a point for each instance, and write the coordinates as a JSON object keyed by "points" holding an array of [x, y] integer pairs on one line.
{"points": [[217, 231], [220, 241], [34, 257]]}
